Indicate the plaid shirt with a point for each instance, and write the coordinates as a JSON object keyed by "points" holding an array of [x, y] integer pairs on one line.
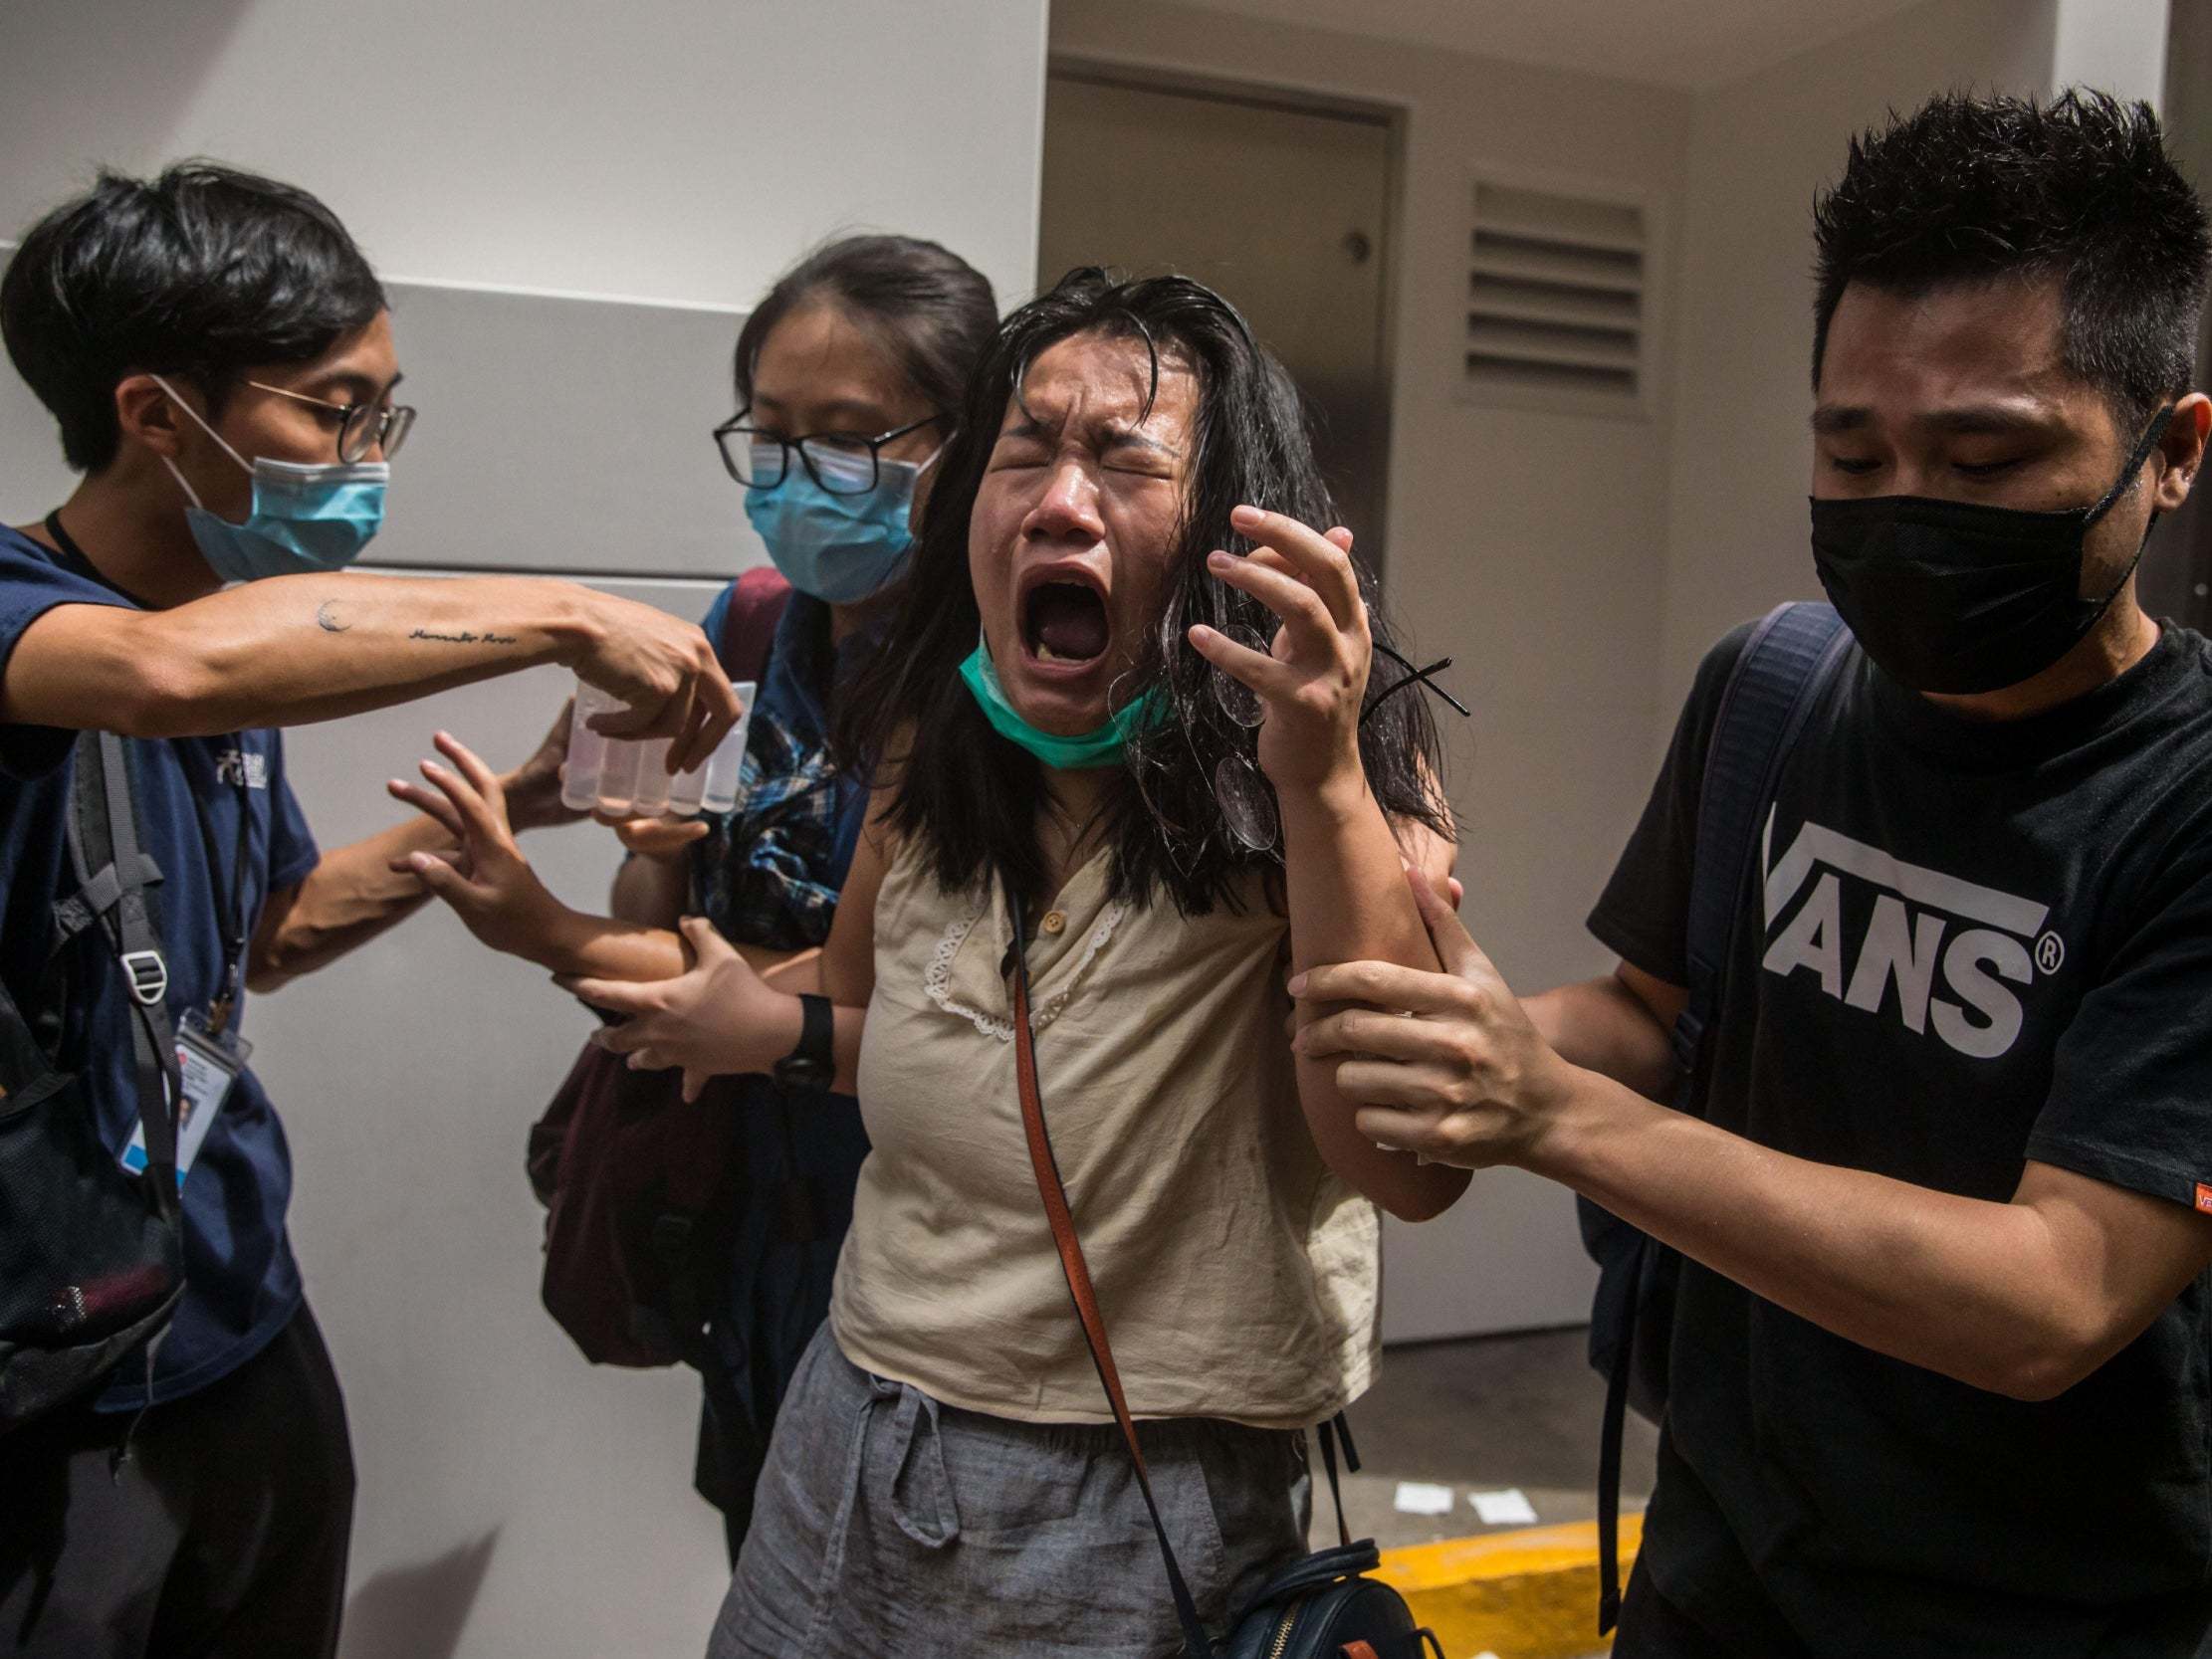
{"points": [[770, 872], [769, 875]]}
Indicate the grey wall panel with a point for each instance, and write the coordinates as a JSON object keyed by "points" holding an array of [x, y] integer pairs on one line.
{"points": [[563, 434], [557, 434], [408, 1075]]}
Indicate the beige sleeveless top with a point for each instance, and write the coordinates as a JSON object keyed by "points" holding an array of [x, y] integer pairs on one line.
{"points": [[1238, 1277]]}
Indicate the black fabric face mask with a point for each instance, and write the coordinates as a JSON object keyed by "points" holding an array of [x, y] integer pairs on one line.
{"points": [[1956, 597]]}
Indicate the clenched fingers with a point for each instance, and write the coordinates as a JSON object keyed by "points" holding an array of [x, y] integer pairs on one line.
{"points": [[1425, 1133], [1363, 1031]]}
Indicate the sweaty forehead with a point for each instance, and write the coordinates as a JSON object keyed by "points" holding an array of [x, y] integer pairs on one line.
{"points": [[1096, 382]]}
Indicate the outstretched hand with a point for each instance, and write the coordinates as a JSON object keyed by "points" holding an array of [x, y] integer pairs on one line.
{"points": [[1445, 1065], [484, 878], [716, 1018]]}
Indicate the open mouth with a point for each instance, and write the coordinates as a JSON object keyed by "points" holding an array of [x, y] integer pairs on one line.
{"points": [[1064, 622]]}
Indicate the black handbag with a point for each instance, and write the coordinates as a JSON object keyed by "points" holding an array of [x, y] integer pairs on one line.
{"points": [[90, 1256], [1319, 1607]]}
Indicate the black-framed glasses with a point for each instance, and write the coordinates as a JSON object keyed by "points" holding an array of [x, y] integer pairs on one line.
{"points": [[364, 426], [842, 463]]}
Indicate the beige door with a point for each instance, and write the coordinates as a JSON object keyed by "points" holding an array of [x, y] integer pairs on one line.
{"points": [[1285, 211]]}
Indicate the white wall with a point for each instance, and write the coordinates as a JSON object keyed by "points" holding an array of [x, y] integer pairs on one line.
{"points": [[1528, 545], [677, 152], [664, 149], [1759, 148], [2115, 46]]}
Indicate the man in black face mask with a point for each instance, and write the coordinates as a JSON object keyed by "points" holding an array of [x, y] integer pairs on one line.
{"points": [[1937, 1369]]}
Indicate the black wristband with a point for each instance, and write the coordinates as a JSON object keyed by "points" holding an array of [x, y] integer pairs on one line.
{"points": [[813, 1063]]}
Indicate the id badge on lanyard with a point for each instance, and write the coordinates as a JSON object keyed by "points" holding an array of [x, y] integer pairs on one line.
{"points": [[209, 1052], [208, 1065]]}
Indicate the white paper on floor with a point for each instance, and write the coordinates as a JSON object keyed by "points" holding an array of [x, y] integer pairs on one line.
{"points": [[1419, 1498], [1509, 1508]]}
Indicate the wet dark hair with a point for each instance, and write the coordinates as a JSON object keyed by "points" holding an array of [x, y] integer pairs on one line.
{"points": [[1969, 189], [930, 308], [203, 273], [972, 796]]}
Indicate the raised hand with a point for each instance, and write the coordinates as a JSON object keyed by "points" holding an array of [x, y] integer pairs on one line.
{"points": [[487, 881], [717, 1019], [1312, 678]]}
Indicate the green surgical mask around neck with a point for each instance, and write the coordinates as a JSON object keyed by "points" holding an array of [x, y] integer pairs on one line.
{"points": [[1100, 747]]}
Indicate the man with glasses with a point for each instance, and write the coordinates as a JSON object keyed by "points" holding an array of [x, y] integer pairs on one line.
{"points": [[218, 355]]}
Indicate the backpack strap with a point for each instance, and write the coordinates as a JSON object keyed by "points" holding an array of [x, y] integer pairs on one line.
{"points": [[756, 601], [1785, 666], [113, 875]]}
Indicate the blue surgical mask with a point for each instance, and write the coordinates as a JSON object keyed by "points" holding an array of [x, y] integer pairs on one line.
{"points": [[839, 549], [1100, 747], [305, 518]]}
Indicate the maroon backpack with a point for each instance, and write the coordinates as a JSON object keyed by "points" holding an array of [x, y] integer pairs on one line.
{"points": [[638, 1185]]}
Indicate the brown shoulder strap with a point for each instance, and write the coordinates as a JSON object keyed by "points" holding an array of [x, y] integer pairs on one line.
{"points": [[1197, 1644]]}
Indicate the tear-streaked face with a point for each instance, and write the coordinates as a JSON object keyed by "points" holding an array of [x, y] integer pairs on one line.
{"points": [[1073, 526]]}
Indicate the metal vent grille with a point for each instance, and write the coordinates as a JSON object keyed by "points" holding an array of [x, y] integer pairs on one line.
{"points": [[1556, 300]]}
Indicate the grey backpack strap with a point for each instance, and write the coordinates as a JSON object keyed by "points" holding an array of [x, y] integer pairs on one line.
{"points": [[113, 875]]}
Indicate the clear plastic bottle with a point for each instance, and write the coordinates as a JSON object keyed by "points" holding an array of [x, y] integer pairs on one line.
{"points": [[629, 778]]}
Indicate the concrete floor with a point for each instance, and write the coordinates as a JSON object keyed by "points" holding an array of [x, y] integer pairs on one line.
{"points": [[1482, 1414]]}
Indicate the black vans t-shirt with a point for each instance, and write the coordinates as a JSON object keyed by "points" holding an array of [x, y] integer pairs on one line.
{"points": [[1966, 945]]}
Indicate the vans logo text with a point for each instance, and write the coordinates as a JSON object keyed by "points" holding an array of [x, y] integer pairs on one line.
{"points": [[1922, 920]]}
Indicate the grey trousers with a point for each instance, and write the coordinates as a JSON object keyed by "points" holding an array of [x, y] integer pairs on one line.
{"points": [[888, 1523]]}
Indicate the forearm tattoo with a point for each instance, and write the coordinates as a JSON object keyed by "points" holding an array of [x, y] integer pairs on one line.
{"points": [[465, 638]]}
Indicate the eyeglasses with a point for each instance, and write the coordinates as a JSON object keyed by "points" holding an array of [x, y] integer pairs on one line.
{"points": [[842, 464], [366, 426]]}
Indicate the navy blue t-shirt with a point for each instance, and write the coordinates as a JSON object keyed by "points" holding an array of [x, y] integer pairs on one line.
{"points": [[241, 1283]]}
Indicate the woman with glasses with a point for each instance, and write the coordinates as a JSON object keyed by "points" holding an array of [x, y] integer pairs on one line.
{"points": [[848, 374]]}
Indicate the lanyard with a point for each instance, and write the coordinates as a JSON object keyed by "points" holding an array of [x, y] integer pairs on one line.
{"points": [[233, 919]]}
